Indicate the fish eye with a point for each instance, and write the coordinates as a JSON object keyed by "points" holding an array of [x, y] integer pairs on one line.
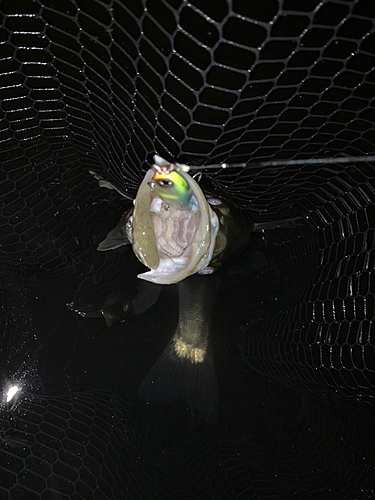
{"points": [[164, 182]]}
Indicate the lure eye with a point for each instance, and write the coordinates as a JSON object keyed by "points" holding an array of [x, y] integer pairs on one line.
{"points": [[164, 182]]}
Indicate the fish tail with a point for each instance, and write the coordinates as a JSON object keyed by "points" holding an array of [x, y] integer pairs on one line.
{"points": [[173, 378]]}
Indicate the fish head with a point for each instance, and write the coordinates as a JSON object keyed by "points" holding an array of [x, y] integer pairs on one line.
{"points": [[174, 228]]}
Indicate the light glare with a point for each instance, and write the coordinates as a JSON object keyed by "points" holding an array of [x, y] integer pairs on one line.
{"points": [[12, 391]]}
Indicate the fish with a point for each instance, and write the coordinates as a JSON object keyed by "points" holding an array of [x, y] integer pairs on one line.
{"points": [[180, 227], [176, 229]]}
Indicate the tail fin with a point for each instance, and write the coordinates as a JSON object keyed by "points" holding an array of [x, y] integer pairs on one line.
{"points": [[173, 378]]}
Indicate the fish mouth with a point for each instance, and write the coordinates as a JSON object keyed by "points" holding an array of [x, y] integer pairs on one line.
{"points": [[174, 242]]}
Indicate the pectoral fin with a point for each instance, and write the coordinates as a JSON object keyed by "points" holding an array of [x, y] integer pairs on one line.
{"points": [[173, 378], [118, 236], [114, 239]]}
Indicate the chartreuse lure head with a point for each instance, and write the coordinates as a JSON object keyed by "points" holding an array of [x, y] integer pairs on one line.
{"points": [[171, 186]]}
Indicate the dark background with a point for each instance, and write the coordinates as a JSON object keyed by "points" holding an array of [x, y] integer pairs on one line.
{"points": [[95, 85]]}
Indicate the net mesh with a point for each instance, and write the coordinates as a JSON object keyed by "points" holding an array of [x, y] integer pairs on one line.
{"points": [[102, 86]]}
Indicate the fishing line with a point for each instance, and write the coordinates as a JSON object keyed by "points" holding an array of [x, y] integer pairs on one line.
{"points": [[279, 163]]}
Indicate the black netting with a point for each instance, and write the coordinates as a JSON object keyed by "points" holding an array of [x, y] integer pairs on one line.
{"points": [[102, 86]]}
